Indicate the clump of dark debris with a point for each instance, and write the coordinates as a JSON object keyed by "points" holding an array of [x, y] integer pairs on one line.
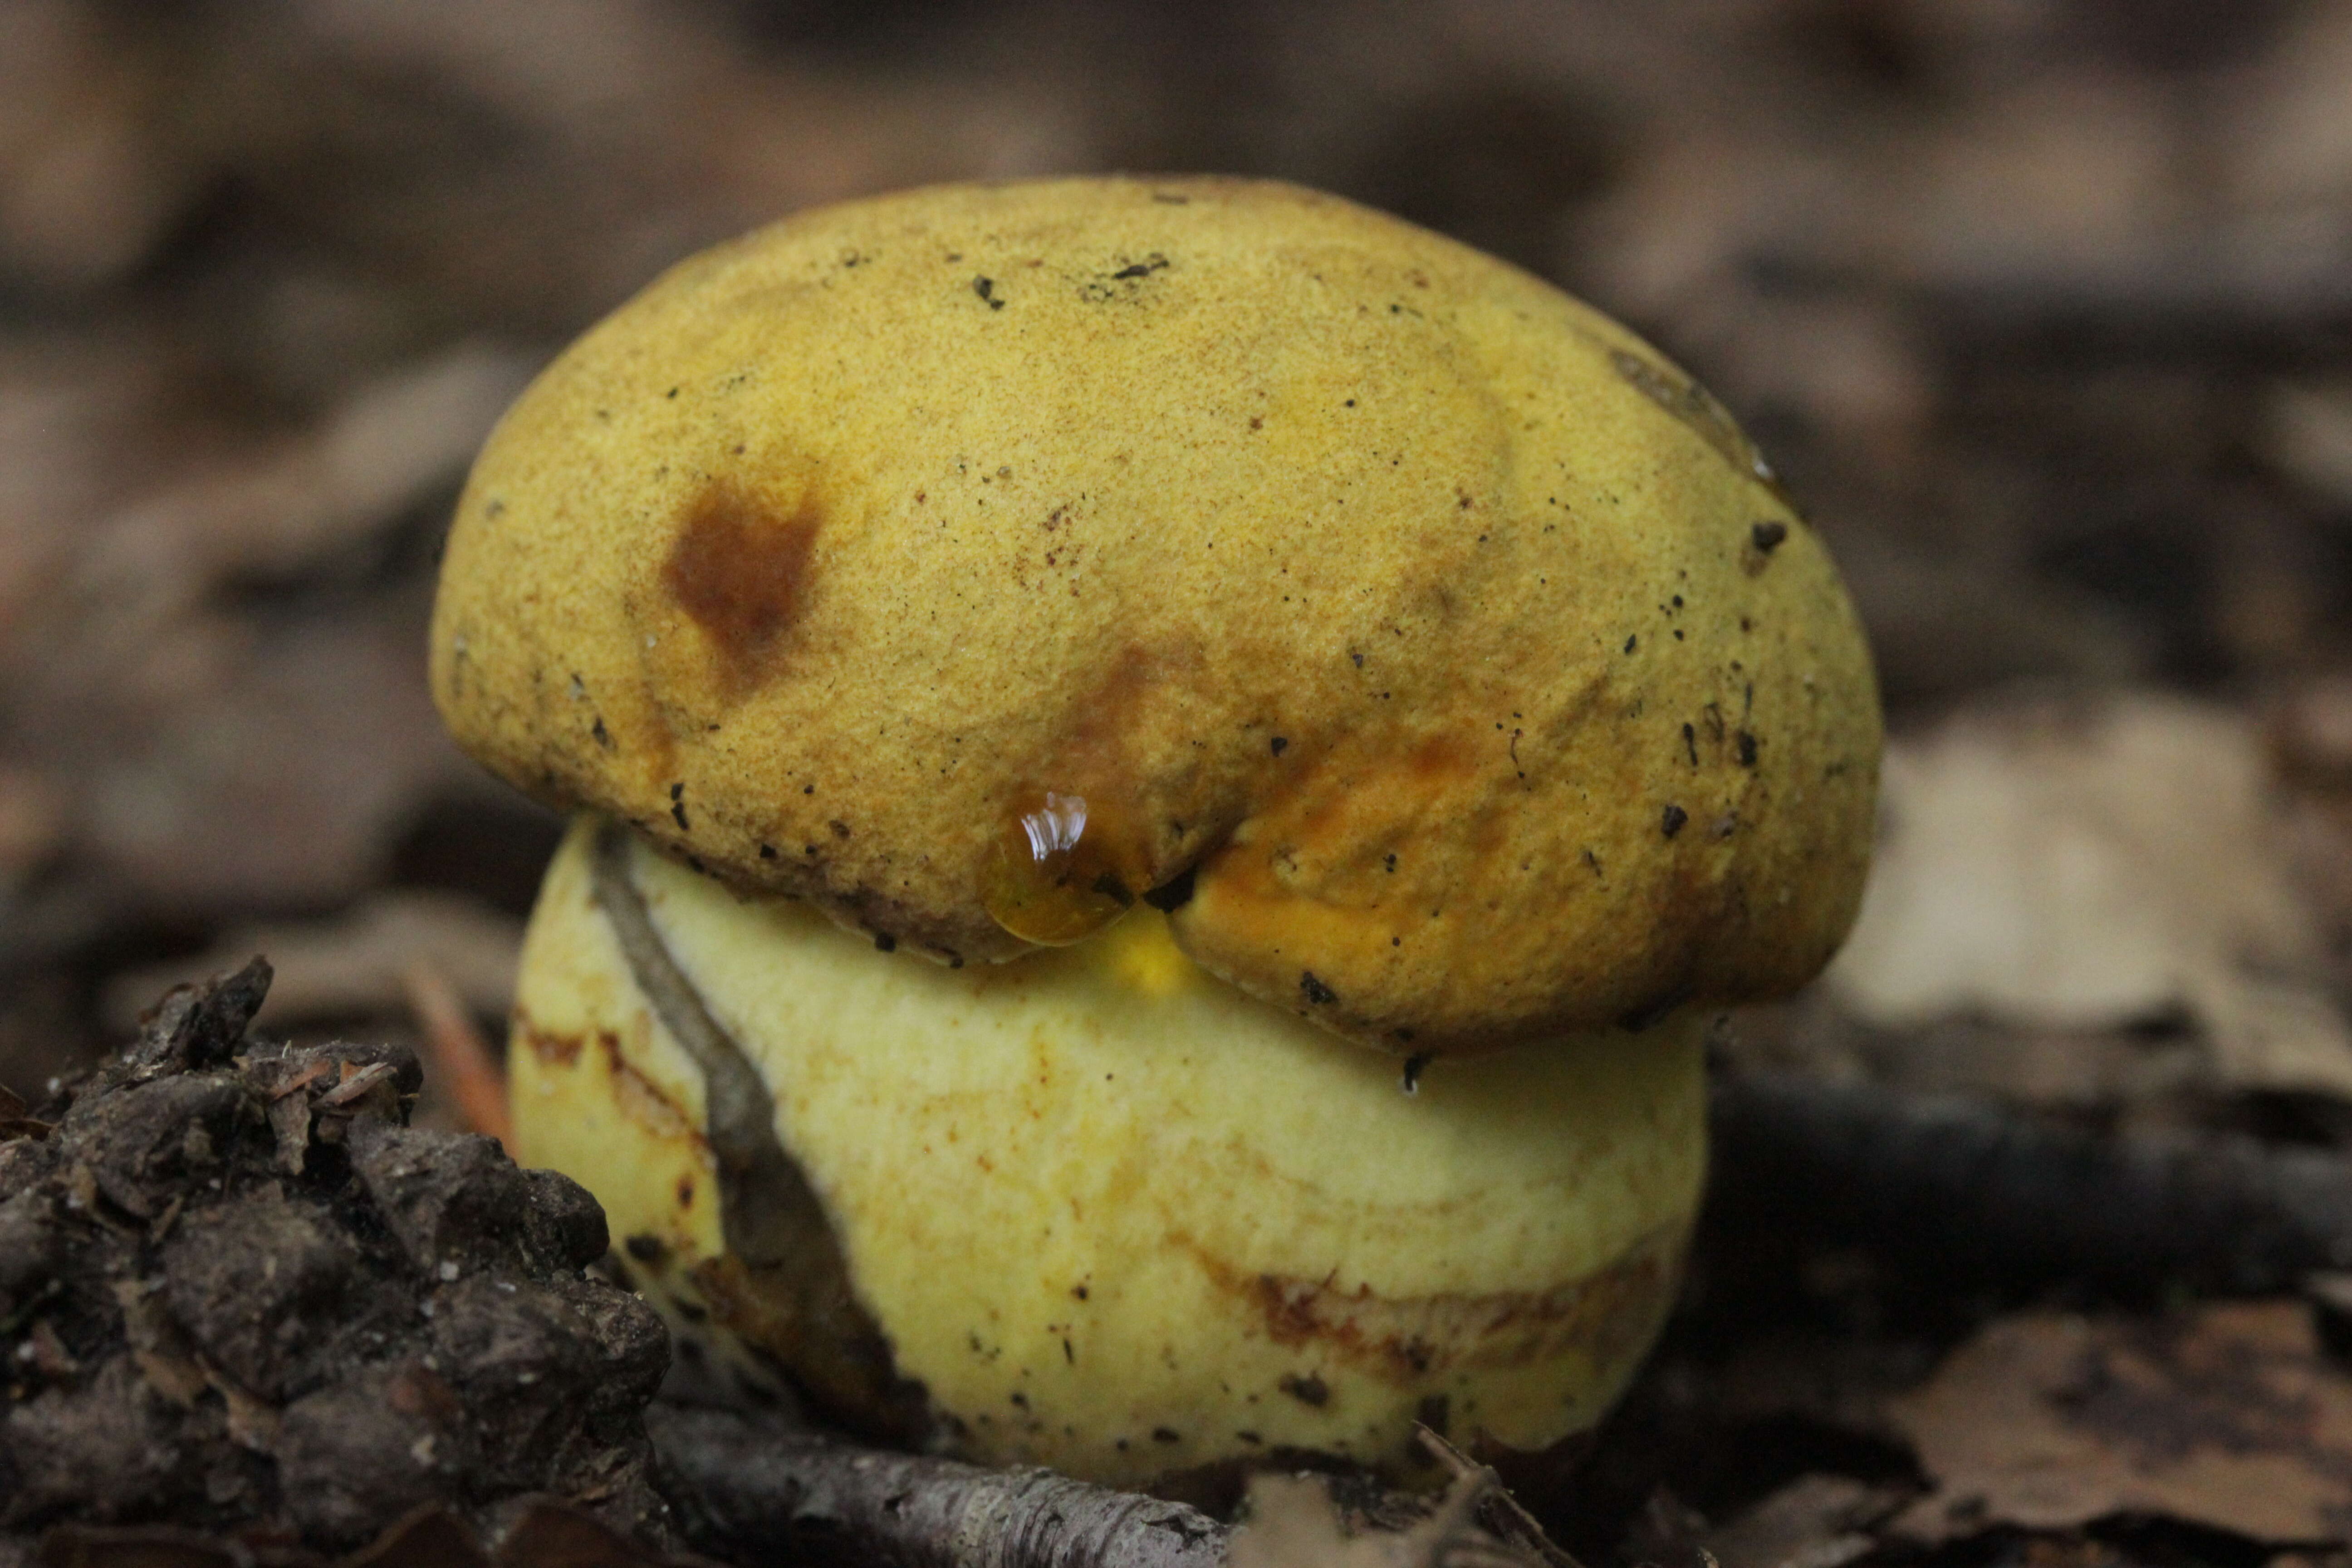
{"points": [[238, 1290]]}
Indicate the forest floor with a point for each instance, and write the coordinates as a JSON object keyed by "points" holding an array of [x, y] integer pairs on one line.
{"points": [[2031, 1240]]}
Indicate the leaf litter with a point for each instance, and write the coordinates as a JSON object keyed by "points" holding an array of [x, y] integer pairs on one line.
{"points": [[2041, 308], [2226, 1416], [2063, 868]]}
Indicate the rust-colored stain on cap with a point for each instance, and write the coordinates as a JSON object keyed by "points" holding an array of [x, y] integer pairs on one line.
{"points": [[740, 570]]}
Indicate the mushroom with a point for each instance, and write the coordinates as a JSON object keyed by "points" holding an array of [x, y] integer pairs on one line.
{"points": [[1172, 773]]}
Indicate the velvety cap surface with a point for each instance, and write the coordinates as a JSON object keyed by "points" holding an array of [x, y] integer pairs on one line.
{"points": [[1455, 646]]}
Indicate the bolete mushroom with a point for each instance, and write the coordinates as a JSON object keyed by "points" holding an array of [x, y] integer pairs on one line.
{"points": [[1171, 770]]}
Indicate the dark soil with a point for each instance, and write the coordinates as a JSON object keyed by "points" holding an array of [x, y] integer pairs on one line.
{"points": [[239, 1291]]}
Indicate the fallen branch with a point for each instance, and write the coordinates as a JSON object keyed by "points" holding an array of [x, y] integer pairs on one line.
{"points": [[756, 1488], [1968, 1190], [746, 1488]]}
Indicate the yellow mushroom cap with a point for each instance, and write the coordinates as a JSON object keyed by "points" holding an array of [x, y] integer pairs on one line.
{"points": [[1453, 643]]}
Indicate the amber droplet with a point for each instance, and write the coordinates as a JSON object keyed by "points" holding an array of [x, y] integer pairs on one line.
{"points": [[1050, 878]]}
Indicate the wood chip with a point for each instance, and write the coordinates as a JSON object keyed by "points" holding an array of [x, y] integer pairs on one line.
{"points": [[356, 1083]]}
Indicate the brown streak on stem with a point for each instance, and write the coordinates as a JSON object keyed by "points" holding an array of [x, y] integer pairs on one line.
{"points": [[795, 1269]]}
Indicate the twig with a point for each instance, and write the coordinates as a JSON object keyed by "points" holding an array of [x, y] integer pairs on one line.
{"points": [[1505, 1515], [748, 1489], [462, 1058], [1971, 1190], [358, 1084]]}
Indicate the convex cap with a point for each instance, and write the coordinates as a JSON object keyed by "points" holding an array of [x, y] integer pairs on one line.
{"points": [[971, 560]]}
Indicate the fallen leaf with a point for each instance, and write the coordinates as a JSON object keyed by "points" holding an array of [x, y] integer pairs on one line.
{"points": [[353, 964], [431, 1537], [2287, 125], [92, 172], [551, 1534], [32, 822], [2057, 868], [1815, 1521], [1293, 1523], [49, 1353], [2048, 176], [2313, 729], [280, 782], [147, 1545], [2228, 1417], [462, 1056], [2308, 435], [252, 1422]]}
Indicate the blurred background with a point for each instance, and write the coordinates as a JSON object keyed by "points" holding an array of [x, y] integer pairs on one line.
{"points": [[2043, 307]]}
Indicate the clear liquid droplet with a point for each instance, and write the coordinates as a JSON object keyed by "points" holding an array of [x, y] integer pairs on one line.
{"points": [[1050, 878]]}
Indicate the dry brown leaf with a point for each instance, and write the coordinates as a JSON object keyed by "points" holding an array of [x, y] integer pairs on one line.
{"points": [[463, 1059], [1815, 1521], [91, 176], [125, 645], [2307, 434], [2286, 130], [274, 509], [284, 784], [32, 822], [545, 1532], [2057, 868], [389, 445], [83, 425], [551, 1534], [2228, 1417], [1292, 1523], [353, 964], [2312, 728], [2058, 174]]}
